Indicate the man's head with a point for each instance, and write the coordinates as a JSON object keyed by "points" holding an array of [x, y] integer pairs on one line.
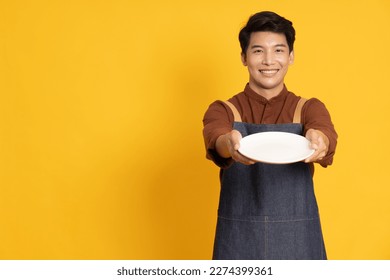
{"points": [[267, 21], [267, 51]]}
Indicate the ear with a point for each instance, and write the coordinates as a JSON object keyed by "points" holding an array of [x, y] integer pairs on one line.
{"points": [[243, 59], [291, 58]]}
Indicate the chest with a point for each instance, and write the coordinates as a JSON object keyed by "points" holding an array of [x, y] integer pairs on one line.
{"points": [[269, 113]]}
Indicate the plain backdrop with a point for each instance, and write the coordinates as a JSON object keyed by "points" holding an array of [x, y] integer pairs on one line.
{"points": [[101, 107]]}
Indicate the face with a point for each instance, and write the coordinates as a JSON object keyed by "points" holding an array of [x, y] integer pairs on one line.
{"points": [[267, 58]]}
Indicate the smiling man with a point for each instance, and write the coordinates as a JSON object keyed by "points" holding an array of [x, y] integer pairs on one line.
{"points": [[267, 211]]}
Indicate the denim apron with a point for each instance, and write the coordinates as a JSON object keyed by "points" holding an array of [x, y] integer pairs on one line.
{"points": [[268, 211]]}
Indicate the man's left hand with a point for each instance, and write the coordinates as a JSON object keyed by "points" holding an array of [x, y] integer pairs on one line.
{"points": [[319, 142]]}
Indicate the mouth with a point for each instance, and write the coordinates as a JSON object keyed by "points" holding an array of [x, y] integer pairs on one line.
{"points": [[269, 72]]}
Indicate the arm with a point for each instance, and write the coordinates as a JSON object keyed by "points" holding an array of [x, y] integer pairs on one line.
{"points": [[221, 141], [319, 130]]}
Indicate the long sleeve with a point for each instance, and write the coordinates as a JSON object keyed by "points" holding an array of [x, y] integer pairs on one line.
{"points": [[316, 116], [218, 120]]}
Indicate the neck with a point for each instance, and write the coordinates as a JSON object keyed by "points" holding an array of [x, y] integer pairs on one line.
{"points": [[266, 93]]}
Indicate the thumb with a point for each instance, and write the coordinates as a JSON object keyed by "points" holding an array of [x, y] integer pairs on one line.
{"points": [[312, 136], [236, 138]]}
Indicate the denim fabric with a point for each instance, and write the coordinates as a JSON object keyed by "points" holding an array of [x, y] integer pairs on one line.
{"points": [[268, 211]]}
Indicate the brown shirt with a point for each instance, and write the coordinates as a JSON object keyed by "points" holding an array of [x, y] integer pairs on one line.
{"points": [[254, 108]]}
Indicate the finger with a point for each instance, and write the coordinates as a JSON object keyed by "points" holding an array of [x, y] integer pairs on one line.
{"points": [[235, 139], [321, 155], [322, 149], [318, 146], [314, 144], [317, 156], [310, 159], [242, 159], [317, 143], [313, 157], [237, 156]]}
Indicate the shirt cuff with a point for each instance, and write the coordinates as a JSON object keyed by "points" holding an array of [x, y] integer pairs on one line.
{"points": [[218, 160]]}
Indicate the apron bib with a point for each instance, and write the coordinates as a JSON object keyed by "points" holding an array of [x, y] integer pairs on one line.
{"points": [[268, 211]]}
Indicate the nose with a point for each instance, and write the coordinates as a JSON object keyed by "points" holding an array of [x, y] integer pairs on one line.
{"points": [[268, 58]]}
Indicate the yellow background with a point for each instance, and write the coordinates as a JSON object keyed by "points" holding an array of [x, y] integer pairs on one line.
{"points": [[101, 106]]}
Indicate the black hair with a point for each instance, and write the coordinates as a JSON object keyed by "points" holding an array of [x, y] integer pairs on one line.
{"points": [[267, 21]]}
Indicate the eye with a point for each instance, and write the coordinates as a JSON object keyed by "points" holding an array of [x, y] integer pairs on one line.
{"points": [[279, 50], [258, 51]]}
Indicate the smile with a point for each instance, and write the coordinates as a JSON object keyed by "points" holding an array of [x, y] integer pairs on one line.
{"points": [[269, 71]]}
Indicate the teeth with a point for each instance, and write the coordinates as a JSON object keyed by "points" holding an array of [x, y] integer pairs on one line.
{"points": [[268, 71]]}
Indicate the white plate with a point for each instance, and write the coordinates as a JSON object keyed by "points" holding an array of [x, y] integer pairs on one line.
{"points": [[275, 147]]}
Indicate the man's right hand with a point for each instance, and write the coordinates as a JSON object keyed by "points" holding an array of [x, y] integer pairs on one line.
{"points": [[227, 146]]}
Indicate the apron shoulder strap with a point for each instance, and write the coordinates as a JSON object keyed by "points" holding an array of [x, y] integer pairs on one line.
{"points": [[297, 113], [236, 114], [298, 110]]}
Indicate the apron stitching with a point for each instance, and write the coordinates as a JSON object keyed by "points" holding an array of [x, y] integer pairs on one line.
{"points": [[297, 220], [266, 220]]}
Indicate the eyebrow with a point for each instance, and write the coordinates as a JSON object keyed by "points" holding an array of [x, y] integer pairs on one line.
{"points": [[277, 45]]}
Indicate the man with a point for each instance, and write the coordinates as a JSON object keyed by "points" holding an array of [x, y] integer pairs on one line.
{"points": [[267, 211]]}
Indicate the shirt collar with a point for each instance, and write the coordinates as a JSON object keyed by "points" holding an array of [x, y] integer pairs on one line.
{"points": [[252, 94]]}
